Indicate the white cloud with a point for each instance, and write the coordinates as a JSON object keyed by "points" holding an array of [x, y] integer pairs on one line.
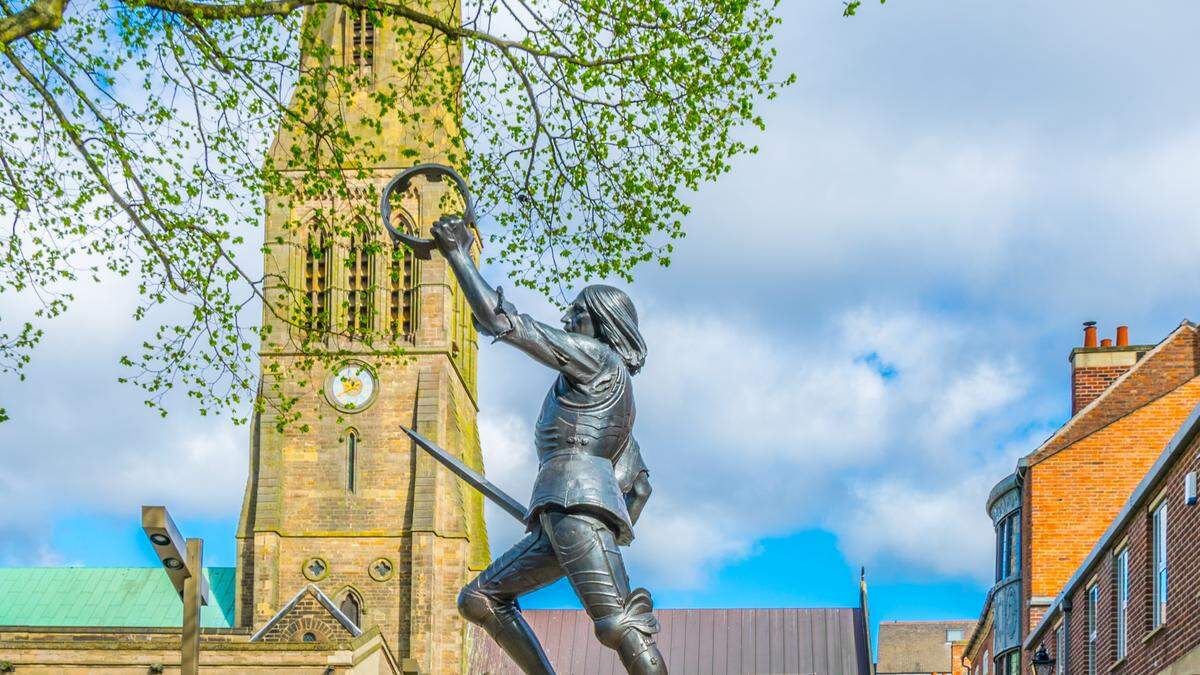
{"points": [[749, 436]]}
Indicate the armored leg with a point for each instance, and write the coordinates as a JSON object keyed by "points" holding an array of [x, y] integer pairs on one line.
{"points": [[490, 601], [623, 619]]}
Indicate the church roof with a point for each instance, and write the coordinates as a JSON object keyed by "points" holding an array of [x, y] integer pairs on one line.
{"points": [[821, 641], [140, 597]]}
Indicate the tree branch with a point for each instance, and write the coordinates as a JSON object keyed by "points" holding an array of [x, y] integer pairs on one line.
{"points": [[260, 8], [39, 16]]}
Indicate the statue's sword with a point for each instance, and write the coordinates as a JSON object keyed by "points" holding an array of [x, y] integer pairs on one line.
{"points": [[471, 476]]}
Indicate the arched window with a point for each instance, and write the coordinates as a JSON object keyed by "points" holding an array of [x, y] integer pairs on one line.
{"points": [[351, 459], [316, 279], [352, 608], [359, 283], [359, 36], [402, 277]]}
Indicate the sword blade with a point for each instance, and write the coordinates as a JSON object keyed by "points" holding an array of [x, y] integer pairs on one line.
{"points": [[471, 476]]}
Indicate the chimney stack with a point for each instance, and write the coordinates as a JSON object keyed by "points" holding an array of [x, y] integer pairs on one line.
{"points": [[1095, 366]]}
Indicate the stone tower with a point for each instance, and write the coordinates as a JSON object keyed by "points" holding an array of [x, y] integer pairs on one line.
{"points": [[342, 499]]}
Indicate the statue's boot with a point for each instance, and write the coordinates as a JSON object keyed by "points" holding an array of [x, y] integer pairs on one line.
{"points": [[503, 621], [623, 619], [640, 655], [490, 601]]}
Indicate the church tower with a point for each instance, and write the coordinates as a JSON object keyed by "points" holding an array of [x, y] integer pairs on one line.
{"points": [[340, 498]]}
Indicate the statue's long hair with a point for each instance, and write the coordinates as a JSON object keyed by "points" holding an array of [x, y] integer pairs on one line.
{"points": [[616, 323]]}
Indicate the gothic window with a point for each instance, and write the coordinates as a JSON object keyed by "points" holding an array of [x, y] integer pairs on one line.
{"points": [[359, 283], [360, 38], [402, 277], [352, 608], [351, 459], [316, 279]]}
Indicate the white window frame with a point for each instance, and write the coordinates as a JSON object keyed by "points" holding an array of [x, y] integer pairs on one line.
{"points": [[1093, 634], [1060, 648], [1159, 522], [1121, 565]]}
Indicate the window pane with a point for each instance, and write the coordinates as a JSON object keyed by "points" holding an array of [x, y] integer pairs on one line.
{"points": [[1015, 564], [1093, 600], [1122, 601], [1060, 649], [1160, 565]]}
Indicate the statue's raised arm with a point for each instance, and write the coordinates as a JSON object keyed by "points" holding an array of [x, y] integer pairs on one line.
{"points": [[599, 323], [454, 240]]}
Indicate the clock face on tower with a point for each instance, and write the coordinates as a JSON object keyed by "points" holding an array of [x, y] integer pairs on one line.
{"points": [[351, 387]]}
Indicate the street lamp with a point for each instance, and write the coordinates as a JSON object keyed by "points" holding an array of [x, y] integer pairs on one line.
{"points": [[1042, 663], [185, 569]]}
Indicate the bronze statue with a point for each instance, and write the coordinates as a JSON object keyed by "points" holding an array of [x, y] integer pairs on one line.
{"points": [[591, 483]]}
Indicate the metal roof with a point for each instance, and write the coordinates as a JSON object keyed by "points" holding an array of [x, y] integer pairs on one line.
{"points": [[134, 597], [703, 641]]}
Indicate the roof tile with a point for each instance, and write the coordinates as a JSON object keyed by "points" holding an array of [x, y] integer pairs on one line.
{"points": [[122, 596]]}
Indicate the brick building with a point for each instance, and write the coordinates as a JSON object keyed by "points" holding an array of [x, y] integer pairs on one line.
{"points": [[1127, 402], [922, 647], [1133, 605]]}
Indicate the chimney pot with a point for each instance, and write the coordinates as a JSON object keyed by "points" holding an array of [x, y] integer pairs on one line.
{"points": [[1089, 333], [1122, 336], [1106, 342]]}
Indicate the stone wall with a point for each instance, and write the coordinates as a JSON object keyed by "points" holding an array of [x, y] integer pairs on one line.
{"points": [[139, 652]]}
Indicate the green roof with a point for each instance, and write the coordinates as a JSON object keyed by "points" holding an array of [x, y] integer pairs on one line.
{"points": [[134, 597]]}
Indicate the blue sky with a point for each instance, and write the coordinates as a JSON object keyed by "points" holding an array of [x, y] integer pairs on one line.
{"points": [[867, 324]]}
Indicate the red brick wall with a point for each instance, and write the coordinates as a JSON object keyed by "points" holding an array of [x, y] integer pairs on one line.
{"points": [[1174, 363], [974, 658], [1181, 632], [1089, 382], [1076, 493]]}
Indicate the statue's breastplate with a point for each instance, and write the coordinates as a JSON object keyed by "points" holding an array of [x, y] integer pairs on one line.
{"points": [[574, 420]]}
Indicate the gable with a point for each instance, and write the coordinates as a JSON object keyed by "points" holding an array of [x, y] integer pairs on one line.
{"points": [[1164, 369], [1100, 470], [309, 617]]}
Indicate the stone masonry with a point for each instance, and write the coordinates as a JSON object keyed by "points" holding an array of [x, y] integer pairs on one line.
{"points": [[407, 535]]}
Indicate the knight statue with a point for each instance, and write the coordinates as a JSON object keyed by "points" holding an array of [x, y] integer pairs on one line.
{"points": [[591, 483]]}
